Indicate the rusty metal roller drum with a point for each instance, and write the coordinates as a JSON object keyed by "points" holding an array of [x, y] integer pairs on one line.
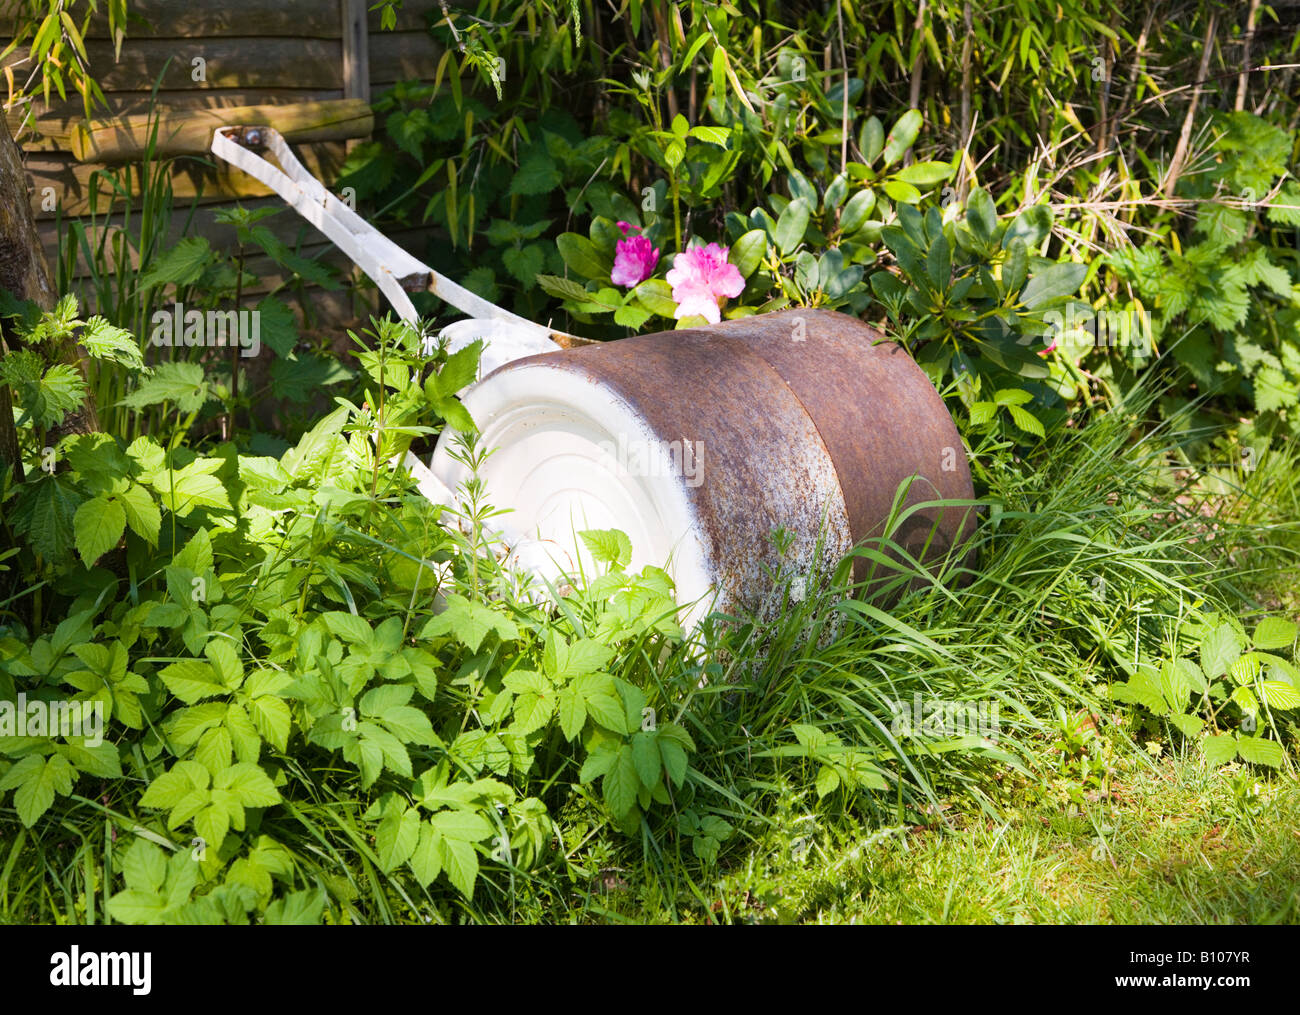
{"points": [[700, 443]]}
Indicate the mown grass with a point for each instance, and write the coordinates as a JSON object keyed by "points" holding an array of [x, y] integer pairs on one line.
{"points": [[1172, 844]]}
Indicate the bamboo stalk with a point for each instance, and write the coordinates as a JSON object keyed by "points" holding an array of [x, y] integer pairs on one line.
{"points": [[1185, 137], [1243, 79], [914, 90]]}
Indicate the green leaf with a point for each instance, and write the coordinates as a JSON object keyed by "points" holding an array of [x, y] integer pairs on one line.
{"points": [[537, 175], [713, 135], [608, 546], [581, 255], [179, 382], [621, 783], [533, 711], [98, 524], [854, 214], [141, 512], [631, 316], [277, 326], [1280, 694], [924, 174], [145, 866], [1030, 227], [525, 263], [904, 193], [1260, 751], [791, 225], [426, 859], [901, 137], [45, 511], [981, 215], [214, 749], [251, 786], [107, 342], [460, 861], [408, 724], [747, 253], [573, 712], [1144, 689], [1274, 632], [38, 780], [300, 909], [462, 825], [656, 295], [470, 622], [348, 626], [181, 264], [645, 756], [567, 289], [1219, 750], [272, 718], [605, 708], [578, 658], [1052, 283], [1026, 420], [674, 759], [871, 139], [191, 680], [461, 368], [397, 836], [299, 376], [1189, 725], [1219, 650]]}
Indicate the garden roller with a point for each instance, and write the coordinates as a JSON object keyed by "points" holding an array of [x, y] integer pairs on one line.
{"points": [[701, 444]]}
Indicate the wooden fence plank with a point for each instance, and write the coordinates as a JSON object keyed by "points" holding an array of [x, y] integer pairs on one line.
{"points": [[228, 63], [189, 132], [356, 49], [188, 19], [397, 56], [69, 181]]}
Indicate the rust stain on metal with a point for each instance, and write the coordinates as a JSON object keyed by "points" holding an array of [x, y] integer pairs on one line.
{"points": [[806, 421]]}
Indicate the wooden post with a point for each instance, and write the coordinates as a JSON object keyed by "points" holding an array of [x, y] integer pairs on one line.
{"points": [[356, 52]]}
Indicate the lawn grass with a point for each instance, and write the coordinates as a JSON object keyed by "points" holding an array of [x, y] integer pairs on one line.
{"points": [[1171, 844]]}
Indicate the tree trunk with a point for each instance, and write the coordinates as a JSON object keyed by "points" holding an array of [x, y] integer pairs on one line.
{"points": [[24, 273]]}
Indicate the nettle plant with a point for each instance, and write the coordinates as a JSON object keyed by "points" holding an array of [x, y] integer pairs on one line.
{"points": [[188, 372], [1234, 697], [1231, 298], [811, 248]]}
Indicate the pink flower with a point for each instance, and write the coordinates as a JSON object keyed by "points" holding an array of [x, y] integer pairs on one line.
{"points": [[634, 261], [626, 227], [701, 277]]}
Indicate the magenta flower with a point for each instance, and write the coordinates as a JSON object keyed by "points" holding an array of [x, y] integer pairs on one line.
{"points": [[701, 277], [634, 261]]}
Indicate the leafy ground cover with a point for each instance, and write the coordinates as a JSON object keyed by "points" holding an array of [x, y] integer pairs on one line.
{"points": [[325, 700]]}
